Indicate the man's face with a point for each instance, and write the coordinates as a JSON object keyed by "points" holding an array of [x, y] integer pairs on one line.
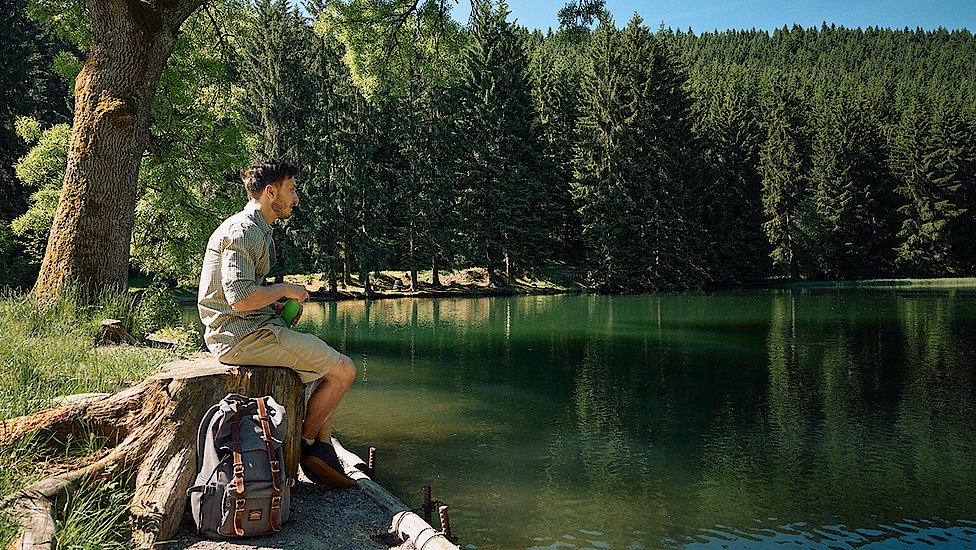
{"points": [[285, 199]]}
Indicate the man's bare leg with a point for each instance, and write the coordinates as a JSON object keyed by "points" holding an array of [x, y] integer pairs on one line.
{"points": [[325, 399]]}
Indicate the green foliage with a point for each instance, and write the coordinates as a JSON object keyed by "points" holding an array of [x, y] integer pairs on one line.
{"points": [[639, 167], [188, 182], [19, 268], [500, 178], [576, 17], [43, 170], [96, 516], [385, 41], [156, 309]]}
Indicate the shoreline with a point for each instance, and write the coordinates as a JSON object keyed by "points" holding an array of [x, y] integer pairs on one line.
{"points": [[521, 289]]}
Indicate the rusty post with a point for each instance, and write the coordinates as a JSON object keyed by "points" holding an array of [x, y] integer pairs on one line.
{"points": [[445, 522], [427, 504], [371, 464]]}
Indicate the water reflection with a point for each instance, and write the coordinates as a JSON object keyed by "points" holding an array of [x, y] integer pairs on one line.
{"points": [[755, 419], [870, 426]]}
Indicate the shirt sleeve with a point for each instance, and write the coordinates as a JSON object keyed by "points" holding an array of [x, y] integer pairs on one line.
{"points": [[237, 268]]}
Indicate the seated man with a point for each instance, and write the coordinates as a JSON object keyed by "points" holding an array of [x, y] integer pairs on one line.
{"points": [[243, 327]]}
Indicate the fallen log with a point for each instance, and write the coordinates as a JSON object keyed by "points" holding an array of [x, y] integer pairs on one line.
{"points": [[406, 524], [152, 428]]}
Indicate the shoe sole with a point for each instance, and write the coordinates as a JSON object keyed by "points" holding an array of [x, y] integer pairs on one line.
{"points": [[311, 475], [326, 475]]}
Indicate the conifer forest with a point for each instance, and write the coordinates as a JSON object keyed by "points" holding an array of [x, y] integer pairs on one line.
{"points": [[628, 155]]}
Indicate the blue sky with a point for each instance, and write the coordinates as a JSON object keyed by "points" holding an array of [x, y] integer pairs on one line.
{"points": [[709, 15]]}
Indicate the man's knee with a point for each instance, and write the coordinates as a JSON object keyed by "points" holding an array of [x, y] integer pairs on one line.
{"points": [[344, 371]]}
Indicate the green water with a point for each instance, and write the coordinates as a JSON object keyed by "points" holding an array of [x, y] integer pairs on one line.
{"points": [[768, 419]]}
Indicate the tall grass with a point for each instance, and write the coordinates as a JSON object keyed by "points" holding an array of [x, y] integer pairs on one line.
{"points": [[53, 349], [95, 517]]}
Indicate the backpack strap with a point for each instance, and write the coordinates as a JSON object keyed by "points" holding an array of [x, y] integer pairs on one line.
{"points": [[275, 466], [235, 426]]}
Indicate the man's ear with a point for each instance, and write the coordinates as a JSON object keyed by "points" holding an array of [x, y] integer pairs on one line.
{"points": [[271, 190]]}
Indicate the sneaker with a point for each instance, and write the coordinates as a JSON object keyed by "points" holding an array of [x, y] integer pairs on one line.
{"points": [[321, 464]]}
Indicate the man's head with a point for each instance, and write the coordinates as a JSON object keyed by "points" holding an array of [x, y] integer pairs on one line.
{"points": [[274, 179]]}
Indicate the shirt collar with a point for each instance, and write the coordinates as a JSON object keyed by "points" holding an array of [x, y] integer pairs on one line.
{"points": [[255, 214]]}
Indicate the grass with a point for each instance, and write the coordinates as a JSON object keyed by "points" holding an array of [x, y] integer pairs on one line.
{"points": [[96, 517], [52, 350]]}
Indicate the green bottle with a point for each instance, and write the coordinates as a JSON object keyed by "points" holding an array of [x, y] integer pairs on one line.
{"points": [[290, 310]]}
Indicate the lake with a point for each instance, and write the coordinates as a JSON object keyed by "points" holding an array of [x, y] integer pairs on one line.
{"points": [[838, 418]]}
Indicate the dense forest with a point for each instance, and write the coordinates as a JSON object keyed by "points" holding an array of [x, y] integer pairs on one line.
{"points": [[632, 158]]}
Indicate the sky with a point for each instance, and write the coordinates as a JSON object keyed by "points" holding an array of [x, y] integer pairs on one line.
{"points": [[710, 15]]}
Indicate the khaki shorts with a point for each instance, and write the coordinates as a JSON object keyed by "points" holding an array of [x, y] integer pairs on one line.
{"points": [[277, 346]]}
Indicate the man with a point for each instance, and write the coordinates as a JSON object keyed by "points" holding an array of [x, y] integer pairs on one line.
{"points": [[243, 327]]}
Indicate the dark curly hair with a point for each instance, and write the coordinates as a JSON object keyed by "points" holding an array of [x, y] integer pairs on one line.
{"points": [[266, 172]]}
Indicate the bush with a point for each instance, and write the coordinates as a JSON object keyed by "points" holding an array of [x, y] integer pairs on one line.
{"points": [[157, 309]]}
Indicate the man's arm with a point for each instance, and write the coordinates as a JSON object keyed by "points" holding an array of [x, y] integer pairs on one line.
{"points": [[267, 295], [237, 260]]}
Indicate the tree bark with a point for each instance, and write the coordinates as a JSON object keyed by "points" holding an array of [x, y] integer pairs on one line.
{"points": [[333, 283], [435, 278], [90, 237], [346, 264], [153, 426]]}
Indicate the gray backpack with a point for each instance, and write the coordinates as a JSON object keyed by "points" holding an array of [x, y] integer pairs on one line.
{"points": [[241, 489]]}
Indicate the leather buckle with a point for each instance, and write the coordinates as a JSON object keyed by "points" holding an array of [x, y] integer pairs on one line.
{"points": [[239, 504], [238, 469], [275, 467], [276, 501]]}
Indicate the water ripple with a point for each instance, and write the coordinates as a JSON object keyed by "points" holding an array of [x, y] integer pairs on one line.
{"points": [[936, 533]]}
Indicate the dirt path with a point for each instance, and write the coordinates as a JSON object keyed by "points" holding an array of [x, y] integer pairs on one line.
{"points": [[324, 519]]}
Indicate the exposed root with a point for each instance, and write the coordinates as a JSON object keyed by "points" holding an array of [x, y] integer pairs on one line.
{"points": [[153, 427]]}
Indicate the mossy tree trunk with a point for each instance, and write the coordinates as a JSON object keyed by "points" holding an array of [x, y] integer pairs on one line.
{"points": [[89, 242]]}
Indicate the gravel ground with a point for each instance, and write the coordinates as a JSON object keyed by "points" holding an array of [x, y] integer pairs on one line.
{"points": [[321, 519]]}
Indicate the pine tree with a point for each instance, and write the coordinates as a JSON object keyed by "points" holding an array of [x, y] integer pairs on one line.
{"points": [[851, 186], [733, 211], [271, 69], [784, 160], [556, 69], [502, 192], [327, 144], [929, 180], [639, 168]]}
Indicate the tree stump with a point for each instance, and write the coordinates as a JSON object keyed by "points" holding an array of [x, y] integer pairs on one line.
{"points": [[153, 428]]}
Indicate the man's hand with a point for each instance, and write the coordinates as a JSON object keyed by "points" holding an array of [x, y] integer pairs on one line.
{"points": [[301, 308], [278, 307], [296, 292]]}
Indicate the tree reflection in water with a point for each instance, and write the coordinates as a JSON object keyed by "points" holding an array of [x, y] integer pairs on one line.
{"points": [[824, 418]]}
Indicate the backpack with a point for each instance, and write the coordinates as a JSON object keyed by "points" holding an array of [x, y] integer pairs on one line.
{"points": [[241, 489]]}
